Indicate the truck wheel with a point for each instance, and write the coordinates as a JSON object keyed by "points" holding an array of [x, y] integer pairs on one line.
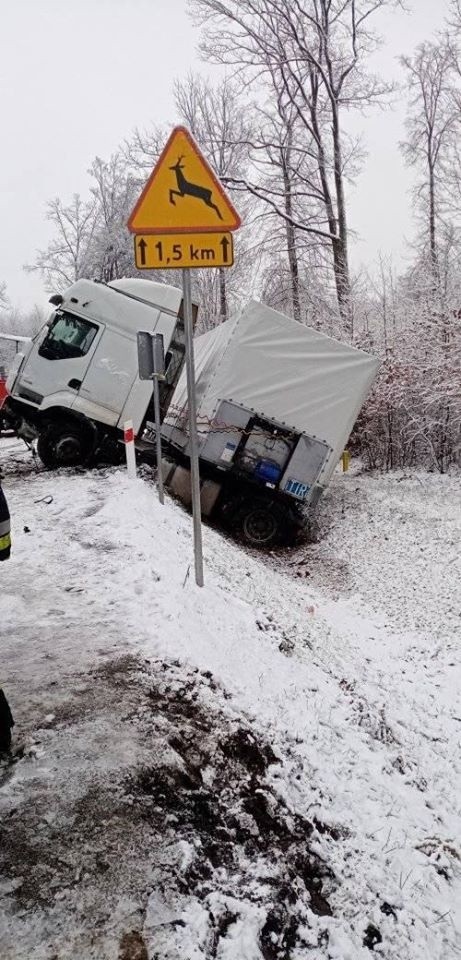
{"points": [[259, 524], [62, 444]]}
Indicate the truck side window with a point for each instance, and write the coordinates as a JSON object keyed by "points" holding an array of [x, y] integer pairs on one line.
{"points": [[68, 337]]}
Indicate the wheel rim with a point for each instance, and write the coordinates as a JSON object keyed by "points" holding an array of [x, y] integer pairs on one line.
{"points": [[68, 449], [260, 526]]}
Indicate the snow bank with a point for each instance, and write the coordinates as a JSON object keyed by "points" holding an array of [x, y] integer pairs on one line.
{"points": [[359, 708]]}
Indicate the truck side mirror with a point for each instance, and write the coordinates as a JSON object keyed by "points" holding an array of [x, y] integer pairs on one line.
{"points": [[159, 355], [151, 356]]}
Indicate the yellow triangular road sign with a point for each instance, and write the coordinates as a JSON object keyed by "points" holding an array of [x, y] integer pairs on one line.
{"points": [[182, 193]]}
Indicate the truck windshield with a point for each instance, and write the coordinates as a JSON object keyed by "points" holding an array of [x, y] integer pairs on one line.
{"points": [[68, 337]]}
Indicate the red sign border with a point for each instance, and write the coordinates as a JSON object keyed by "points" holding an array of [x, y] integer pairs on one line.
{"points": [[218, 186]]}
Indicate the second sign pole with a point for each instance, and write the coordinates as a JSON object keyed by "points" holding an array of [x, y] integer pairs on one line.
{"points": [[193, 439], [158, 439]]}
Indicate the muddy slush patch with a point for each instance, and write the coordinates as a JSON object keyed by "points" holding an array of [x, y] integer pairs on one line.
{"points": [[68, 851], [199, 819], [214, 789], [132, 947]]}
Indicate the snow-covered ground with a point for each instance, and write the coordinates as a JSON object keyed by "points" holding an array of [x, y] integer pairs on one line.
{"points": [[267, 768]]}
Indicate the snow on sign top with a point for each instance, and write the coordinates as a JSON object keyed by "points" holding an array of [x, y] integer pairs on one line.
{"points": [[182, 193]]}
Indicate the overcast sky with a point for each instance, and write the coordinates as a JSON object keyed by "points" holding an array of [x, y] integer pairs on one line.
{"points": [[76, 76]]}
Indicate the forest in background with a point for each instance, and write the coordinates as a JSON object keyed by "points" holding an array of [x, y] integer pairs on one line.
{"points": [[274, 127]]}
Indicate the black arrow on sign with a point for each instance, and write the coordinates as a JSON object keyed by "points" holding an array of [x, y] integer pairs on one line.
{"points": [[225, 246], [142, 246]]}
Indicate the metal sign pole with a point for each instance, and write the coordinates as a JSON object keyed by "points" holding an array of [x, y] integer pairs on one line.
{"points": [[193, 440], [158, 438]]}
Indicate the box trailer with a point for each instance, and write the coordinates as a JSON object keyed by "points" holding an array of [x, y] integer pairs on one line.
{"points": [[276, 402]]}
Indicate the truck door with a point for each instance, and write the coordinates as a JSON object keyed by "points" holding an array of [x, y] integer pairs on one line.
{"points": [[109, 378], [59, 358]]}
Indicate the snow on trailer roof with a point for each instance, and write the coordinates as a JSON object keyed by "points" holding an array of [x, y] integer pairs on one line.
{"points": [[285, 371]]}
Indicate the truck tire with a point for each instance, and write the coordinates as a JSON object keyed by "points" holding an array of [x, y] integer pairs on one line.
{"points": [[259, 524], [63, 444]]}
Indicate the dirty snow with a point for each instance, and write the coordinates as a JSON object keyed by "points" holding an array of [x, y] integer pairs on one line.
{"points": [[265, 768]]}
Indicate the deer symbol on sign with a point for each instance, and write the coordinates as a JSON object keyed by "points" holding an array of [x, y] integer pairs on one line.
{"points": [[186, 189]]}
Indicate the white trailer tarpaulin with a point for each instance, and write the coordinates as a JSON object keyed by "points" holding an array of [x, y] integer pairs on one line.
{"points": [[281, 370]]}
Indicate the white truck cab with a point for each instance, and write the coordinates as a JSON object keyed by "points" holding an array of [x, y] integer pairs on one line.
{"points": [[77, 382]]}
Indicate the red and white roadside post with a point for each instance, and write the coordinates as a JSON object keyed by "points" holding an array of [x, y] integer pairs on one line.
{"points": [[128, 436]]}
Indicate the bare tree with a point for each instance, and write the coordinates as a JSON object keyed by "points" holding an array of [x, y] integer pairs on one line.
{"points": [[454, 17], [432, 122], [3, 296], [114, 191], [25, 323], [221, 124], [90, 236], [315, 51], [235, 136], [142, 150], [68, 256], [279, 165]]}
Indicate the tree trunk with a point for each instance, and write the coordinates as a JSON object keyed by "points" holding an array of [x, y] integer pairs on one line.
{"points": [[294, 271], [340, 252], [336, 223], [343, 288], [291, 249], [432, 229]]}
